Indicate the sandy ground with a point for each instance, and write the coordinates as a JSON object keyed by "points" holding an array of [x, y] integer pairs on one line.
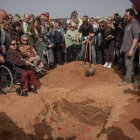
{"points": [[70, 106]]}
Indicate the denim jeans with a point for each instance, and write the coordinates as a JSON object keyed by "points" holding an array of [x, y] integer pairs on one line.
{"points": [[93, 52], [82, 53]]}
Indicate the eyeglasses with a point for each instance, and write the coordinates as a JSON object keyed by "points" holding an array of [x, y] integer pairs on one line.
{"points": [[72, 26], [14, 44]]}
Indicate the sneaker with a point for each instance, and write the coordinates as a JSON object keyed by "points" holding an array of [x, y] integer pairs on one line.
{"points": [[124, 83], [106, 64], [109, 65]]}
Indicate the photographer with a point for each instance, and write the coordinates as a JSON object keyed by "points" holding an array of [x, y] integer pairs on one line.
{"points": [[119, 24]]}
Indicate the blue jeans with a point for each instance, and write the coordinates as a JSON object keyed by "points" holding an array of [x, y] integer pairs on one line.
{"points": [[93, 53], [82, 53]]}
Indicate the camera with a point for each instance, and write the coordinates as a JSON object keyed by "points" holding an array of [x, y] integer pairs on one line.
{"points": [[118, 22]]}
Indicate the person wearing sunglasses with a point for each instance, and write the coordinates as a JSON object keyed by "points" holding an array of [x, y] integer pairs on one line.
{"points": [[71, 42], [30, 54], [14, 56], [27, 28]]}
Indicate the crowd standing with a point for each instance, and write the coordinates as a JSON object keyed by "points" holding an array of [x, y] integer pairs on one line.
{"points": [[36, 44]]}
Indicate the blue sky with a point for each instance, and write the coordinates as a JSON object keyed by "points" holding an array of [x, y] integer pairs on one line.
{"points": [[64, 8]]}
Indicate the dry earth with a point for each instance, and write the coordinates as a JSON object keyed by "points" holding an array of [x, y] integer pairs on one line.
{"points": [[70, 106]]}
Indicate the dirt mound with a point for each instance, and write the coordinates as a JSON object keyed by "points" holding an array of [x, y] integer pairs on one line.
{"points": [[69, 105], [73, 74]]}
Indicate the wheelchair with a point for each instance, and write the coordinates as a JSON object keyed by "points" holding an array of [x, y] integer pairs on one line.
{"points": [[8, 76]]}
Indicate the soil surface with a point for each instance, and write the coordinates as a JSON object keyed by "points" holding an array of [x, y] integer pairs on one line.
{"points": [[71, 106]]}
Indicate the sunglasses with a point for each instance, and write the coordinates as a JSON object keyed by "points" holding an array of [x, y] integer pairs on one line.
{"points": [[14, 44], [24, 40], [73, 26]]}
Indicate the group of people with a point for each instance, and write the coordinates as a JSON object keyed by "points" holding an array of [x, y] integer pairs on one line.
{"points": [[35, 44]]}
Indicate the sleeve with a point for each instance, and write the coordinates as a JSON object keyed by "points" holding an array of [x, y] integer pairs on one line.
{"points": [[91, 29], [66, 38], [14, 59], [96, 32], [37, 47], [80, 29], [19, 62], [135, 31]]}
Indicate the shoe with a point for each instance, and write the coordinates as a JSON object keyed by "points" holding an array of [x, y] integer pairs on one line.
{"points": [[60, 66], [33, 90], [21, 93], [109, 65], [24, 93], [106, 64], [40, 73], [2, 92], [44, 70], [46, 67], [124, 83]]}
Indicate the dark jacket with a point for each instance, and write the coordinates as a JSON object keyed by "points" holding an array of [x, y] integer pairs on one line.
{"points": [[32, 31], [16, 58], [56, 38]]}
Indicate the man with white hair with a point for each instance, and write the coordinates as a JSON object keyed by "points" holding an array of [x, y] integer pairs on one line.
{"points": [[27, 28]]}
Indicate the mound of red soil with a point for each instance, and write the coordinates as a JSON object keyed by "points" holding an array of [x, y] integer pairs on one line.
{"points": [[68, 105]]}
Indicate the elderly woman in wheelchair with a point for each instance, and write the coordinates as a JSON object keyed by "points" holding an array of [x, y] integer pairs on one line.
{"points": [[23, 67]]}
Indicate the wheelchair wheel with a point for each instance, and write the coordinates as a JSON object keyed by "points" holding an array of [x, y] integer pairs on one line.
{"points": [[6, 78]]}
